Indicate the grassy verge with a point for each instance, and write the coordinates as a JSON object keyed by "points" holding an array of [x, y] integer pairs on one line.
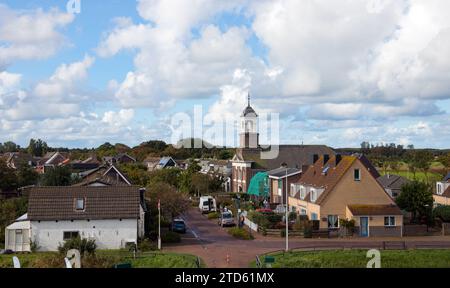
{"points": [[105, 259], [358, 259]]}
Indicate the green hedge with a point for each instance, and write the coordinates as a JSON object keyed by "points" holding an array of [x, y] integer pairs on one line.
{"points": [[170, 237], [442, 212], [240, 233]]}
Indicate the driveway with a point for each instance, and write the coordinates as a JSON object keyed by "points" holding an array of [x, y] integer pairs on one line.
{"points": [[218, 249]]}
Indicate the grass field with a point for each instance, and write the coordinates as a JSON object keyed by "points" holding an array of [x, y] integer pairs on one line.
{"points": [[105, 259], [358, 259]]}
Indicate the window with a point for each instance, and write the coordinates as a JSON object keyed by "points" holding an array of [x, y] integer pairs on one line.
{"points": [[314, 216], [79, 204], [333, 221], [313, 195], [302, 192], [439, 189], [389, 221], [70, 235], [303, 212], [293, 190], [357, 174]]}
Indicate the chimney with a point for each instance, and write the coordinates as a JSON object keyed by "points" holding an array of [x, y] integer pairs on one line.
{"points": [[315, 158], [326, 158], [338, 159]]}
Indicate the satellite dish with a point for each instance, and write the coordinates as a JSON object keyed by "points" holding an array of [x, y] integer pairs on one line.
{"points": [[68, 264], [74, 257], [16, 262]]}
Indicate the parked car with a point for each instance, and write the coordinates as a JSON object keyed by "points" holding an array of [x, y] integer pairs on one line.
{"points": [[178, 225], [226, 219], [207, 204]]}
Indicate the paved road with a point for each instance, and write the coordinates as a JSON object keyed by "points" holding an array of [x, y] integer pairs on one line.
{"points": [[213, 244]]}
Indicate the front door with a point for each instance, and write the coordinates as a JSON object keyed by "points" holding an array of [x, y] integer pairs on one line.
{"points": [[19, 241], [364, 226]]}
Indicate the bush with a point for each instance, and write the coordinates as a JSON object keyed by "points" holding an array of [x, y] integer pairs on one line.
{"points": [[442, 212], [260, 219], [170, 237], [213, 215], [308, 230], [240, 233], [147, 245], [83, 245], [292, 216]]}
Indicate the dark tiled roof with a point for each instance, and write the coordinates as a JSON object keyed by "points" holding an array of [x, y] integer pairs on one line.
{"points": [[369, 210], [58, 203], [446, 192], [447, 177], [293, 156], [316, 177], [249, 110], [392, 181]]}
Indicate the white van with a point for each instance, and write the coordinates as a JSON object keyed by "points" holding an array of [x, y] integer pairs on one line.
{"points": [[207, 204]]}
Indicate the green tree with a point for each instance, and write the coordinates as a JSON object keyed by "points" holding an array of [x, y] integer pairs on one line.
{"points": [[10, 147], [27, 176], [137, 173], [200, 184], [169, 176], [445, 160], [423, 159], [417, 198], [186, 177], [10, 210], [173, 202], [37, 147], [58, 176], [8, 177]]}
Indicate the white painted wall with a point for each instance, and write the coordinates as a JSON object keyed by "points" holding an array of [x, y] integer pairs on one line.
{"points": [[108, 234]]}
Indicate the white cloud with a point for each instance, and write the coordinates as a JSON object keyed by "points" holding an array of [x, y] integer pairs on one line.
{"points": [[118, 119], [31, 34]]}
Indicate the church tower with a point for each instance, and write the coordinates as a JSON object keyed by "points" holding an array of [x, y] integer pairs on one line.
{"points": [[249, 136]]}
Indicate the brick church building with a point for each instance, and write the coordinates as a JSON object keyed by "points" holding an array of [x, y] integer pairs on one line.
{"points": [[248, 161]]}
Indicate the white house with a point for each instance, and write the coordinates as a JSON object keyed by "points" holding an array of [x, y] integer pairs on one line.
{"points": [[113, 216]]}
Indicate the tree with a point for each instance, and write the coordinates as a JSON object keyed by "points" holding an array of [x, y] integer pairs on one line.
{"points": [[10, 210], [10, 147], [445, 160], [200, 183], [58, 176], [186, 176], [27, 176], [423, 159], [173, 202], [8, 177], [170, 176], [37, 147], [417, 198], [137, 173]]}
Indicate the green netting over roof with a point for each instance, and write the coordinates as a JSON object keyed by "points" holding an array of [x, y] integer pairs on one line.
{"points": [[259, 185]]}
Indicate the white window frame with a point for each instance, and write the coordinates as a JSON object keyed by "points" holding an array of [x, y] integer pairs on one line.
{"points": [[328, 222], [83, 201], [359, 174], [439, 189], [313, 195], [390, 224], [302, 192]]}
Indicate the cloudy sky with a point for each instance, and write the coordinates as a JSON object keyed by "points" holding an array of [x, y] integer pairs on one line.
{"points": [[337, 72]]}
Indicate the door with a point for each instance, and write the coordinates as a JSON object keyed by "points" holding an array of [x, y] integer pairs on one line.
{"points": [[19, 241], [364, 226]]}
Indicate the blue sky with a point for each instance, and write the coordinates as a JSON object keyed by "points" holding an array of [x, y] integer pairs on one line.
{"points": [[336, 73]]}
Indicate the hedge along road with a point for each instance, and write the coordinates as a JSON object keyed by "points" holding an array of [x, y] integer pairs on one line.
{"points": [[218, 249]]}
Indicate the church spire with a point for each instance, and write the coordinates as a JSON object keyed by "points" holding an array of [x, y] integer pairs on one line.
{"points": [[249, 99]]}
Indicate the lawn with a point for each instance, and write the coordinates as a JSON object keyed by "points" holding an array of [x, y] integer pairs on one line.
{"points": [[358, 259], [105, 259]]}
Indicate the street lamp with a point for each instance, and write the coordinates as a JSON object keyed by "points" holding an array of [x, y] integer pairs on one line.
{"points": [[287, 215]]}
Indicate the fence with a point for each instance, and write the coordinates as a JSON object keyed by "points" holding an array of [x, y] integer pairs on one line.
{"points": [[422, 230]]}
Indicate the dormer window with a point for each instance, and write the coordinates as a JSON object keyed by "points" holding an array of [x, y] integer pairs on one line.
{"points": [[80, 204], [313, 195], [302, 192], [357, 175]]}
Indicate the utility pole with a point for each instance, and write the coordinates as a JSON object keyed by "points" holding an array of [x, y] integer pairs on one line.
{"points": [[287, 213], [159, 224]]}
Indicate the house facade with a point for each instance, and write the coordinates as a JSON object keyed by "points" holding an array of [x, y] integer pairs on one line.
{"points": [[442, 194], [393, 184], [346, 187], [279, 182], [112, 216]]}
